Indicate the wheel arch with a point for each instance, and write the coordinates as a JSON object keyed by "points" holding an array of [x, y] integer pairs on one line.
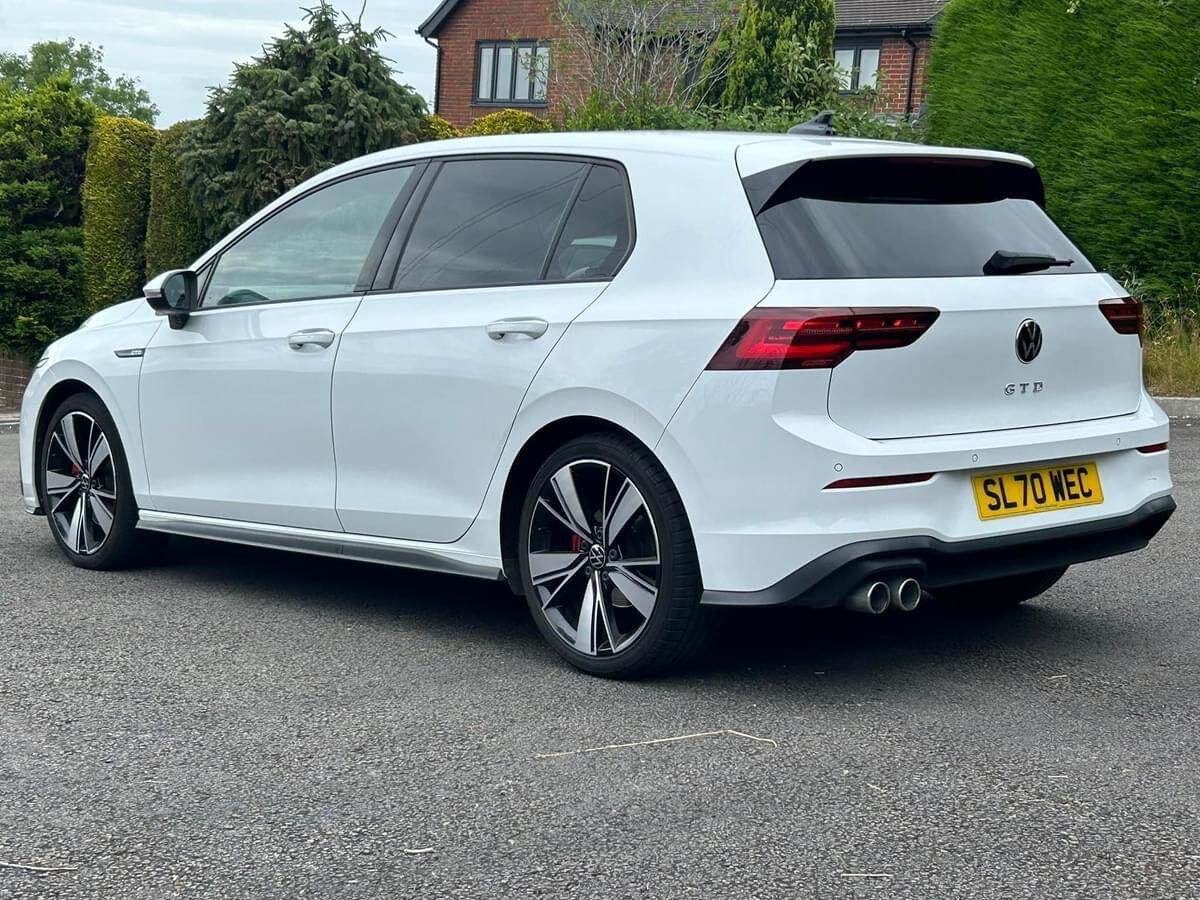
{"points": [[537, 447], [56, 394]]}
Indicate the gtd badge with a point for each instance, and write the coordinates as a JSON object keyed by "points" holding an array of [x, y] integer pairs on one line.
{"points": [[1029, 341]]}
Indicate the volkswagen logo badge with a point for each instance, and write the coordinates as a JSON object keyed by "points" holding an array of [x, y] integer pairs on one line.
{"points": [[1029, 341]]}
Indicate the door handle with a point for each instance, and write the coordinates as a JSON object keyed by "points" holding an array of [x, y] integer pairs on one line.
{"points": [[311, 339], [530, 328]]}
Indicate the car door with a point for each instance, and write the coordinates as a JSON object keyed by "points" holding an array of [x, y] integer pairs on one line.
{"points": [[494, 259], [236, 403]]}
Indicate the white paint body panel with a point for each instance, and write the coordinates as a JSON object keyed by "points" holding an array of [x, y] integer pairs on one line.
{"points": [[410, 424]]}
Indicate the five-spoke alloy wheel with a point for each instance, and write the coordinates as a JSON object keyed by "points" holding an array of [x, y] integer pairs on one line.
{"points": [[607, 559]]}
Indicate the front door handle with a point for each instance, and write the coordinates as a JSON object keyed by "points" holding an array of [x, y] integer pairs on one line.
{"points": [[530, 328], [311, 340]]}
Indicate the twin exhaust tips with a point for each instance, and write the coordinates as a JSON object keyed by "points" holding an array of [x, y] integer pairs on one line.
{"points": [[876, 597]]}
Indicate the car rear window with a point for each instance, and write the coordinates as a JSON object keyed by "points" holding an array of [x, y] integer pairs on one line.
{"points": [[898, 217]]}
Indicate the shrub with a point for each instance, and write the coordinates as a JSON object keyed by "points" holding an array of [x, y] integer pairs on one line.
{"points": [[435, 128], [116, 200], [1104, 96], [507, 121], [43, 139], [173, 234], [318, 96], [767, 38]]}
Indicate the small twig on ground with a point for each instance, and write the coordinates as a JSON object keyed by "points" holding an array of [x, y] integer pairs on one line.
{"points": [[666, 740], [26, 868], [866, 875], [418, 852]]}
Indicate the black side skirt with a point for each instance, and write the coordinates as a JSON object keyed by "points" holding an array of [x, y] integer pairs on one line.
{"points": [[829, 579]]}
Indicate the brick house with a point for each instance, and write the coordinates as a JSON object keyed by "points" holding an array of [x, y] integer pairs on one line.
{"points": [[493, 54]]}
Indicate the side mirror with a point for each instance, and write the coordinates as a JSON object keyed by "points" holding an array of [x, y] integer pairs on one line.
{"points": [[174, 294]]}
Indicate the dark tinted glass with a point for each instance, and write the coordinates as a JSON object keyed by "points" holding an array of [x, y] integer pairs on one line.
{"points": [[487, 222], [314, 248], [596, 237], [903, 218]]}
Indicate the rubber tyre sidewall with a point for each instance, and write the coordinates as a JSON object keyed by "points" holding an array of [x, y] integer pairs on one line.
{"points": [[124, 543], [675, 626]]}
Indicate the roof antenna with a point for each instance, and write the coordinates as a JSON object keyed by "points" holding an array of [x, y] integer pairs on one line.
{"points": [[821, 123]]}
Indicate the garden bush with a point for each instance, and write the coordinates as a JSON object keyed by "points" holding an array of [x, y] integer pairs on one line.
{"points": [[1104, 95], [43, 139], [507, 121], [173, 234], [116, 201], [435, 128]]}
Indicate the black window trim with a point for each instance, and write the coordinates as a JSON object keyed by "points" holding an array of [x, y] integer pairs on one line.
{"points": [[516, 45], [371, 264], [858, 45], [404, 227]]}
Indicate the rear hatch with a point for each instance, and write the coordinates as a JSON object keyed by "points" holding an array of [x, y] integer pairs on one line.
{"points": [[1005, 350]]}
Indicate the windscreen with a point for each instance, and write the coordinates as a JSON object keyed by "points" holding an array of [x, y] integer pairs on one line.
{"points": [[904, 217]]}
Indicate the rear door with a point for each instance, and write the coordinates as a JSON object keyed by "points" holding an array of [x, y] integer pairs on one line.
{"points": [[494, 260], [1006, 351]]}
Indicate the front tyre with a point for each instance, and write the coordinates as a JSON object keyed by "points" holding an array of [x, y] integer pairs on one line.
{"points": [[85, 488], [608, 562]]}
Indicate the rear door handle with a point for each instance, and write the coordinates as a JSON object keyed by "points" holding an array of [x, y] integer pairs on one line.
{"points": [[311, 339], [530, 328]]}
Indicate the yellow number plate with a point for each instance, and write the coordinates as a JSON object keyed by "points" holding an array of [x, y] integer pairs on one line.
{"points": [[1037, 490]]}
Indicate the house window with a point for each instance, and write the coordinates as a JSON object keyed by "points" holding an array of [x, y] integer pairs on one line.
{"points": [[512, 73], [858, 66]]}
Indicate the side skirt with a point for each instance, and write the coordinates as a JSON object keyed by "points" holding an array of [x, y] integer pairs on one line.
{"points": [[365, 548]]}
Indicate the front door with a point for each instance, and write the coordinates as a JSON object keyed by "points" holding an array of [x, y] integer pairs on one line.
{"points": [[236, 404], [502, 256]]}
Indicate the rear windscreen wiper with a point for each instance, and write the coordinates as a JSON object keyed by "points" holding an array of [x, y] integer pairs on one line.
{"points": [[1006, 262]]}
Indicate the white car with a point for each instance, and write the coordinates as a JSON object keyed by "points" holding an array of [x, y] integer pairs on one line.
{"points": [[638, 376]]}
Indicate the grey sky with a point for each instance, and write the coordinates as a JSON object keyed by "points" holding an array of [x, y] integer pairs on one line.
{"points": [[180, 48]]}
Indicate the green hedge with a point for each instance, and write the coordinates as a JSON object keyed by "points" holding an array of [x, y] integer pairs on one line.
{"points": [[116, 200], [174, 237], [1104, 95], [43, 138]]}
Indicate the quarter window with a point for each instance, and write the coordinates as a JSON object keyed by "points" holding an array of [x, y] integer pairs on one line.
{"points": [[512, 72], [315, 247], [487, 222], [596, 237], [858, 66]]}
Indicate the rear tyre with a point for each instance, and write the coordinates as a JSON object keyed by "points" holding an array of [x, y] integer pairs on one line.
{"points": [[608, 562], [1002, 593], [85, 489]]}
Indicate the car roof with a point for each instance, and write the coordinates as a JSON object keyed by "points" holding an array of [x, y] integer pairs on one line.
{"points": [[754, 151]]}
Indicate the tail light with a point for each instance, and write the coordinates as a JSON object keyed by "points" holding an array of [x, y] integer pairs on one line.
{"points": [[1124, 315], [769, 338], [1154, 448]]}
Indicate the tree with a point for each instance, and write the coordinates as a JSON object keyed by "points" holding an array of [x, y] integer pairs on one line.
{"points": [[43, 138], [765, 53], [318, 95], [82, 65]]}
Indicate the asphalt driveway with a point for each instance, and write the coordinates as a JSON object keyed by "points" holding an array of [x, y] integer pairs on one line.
{"points": [[245, 723]]}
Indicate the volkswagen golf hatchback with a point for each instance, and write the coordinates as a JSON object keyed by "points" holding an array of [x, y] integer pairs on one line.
{"points": [[636, 376]]}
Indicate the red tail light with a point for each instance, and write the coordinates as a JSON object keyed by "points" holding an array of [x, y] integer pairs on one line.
{"points": [[880, 481], [816, 338], [1124, 315], [1154, 448]]}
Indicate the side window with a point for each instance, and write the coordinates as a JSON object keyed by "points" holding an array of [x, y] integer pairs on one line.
{"points": [[597, 234], [314, 248], [487, 222]]}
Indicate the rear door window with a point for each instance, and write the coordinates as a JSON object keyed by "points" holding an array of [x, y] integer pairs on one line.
{"points": [[488, 222], [597, 236], [903, 217]]}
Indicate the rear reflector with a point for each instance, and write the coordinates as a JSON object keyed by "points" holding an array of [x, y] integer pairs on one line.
{"points": [[769, 338], [1124, 314], [1154, 448], [882, 481]]}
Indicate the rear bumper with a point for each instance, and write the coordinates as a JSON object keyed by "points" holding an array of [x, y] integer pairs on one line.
{"points": [[827, 580]]}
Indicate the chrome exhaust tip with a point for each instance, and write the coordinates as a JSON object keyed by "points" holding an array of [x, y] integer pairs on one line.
{"points": [[906, 594], [872, 598]]}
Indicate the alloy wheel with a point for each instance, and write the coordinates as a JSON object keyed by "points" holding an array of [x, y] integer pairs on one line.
{"points": [[594, 557], [81, 483]]}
